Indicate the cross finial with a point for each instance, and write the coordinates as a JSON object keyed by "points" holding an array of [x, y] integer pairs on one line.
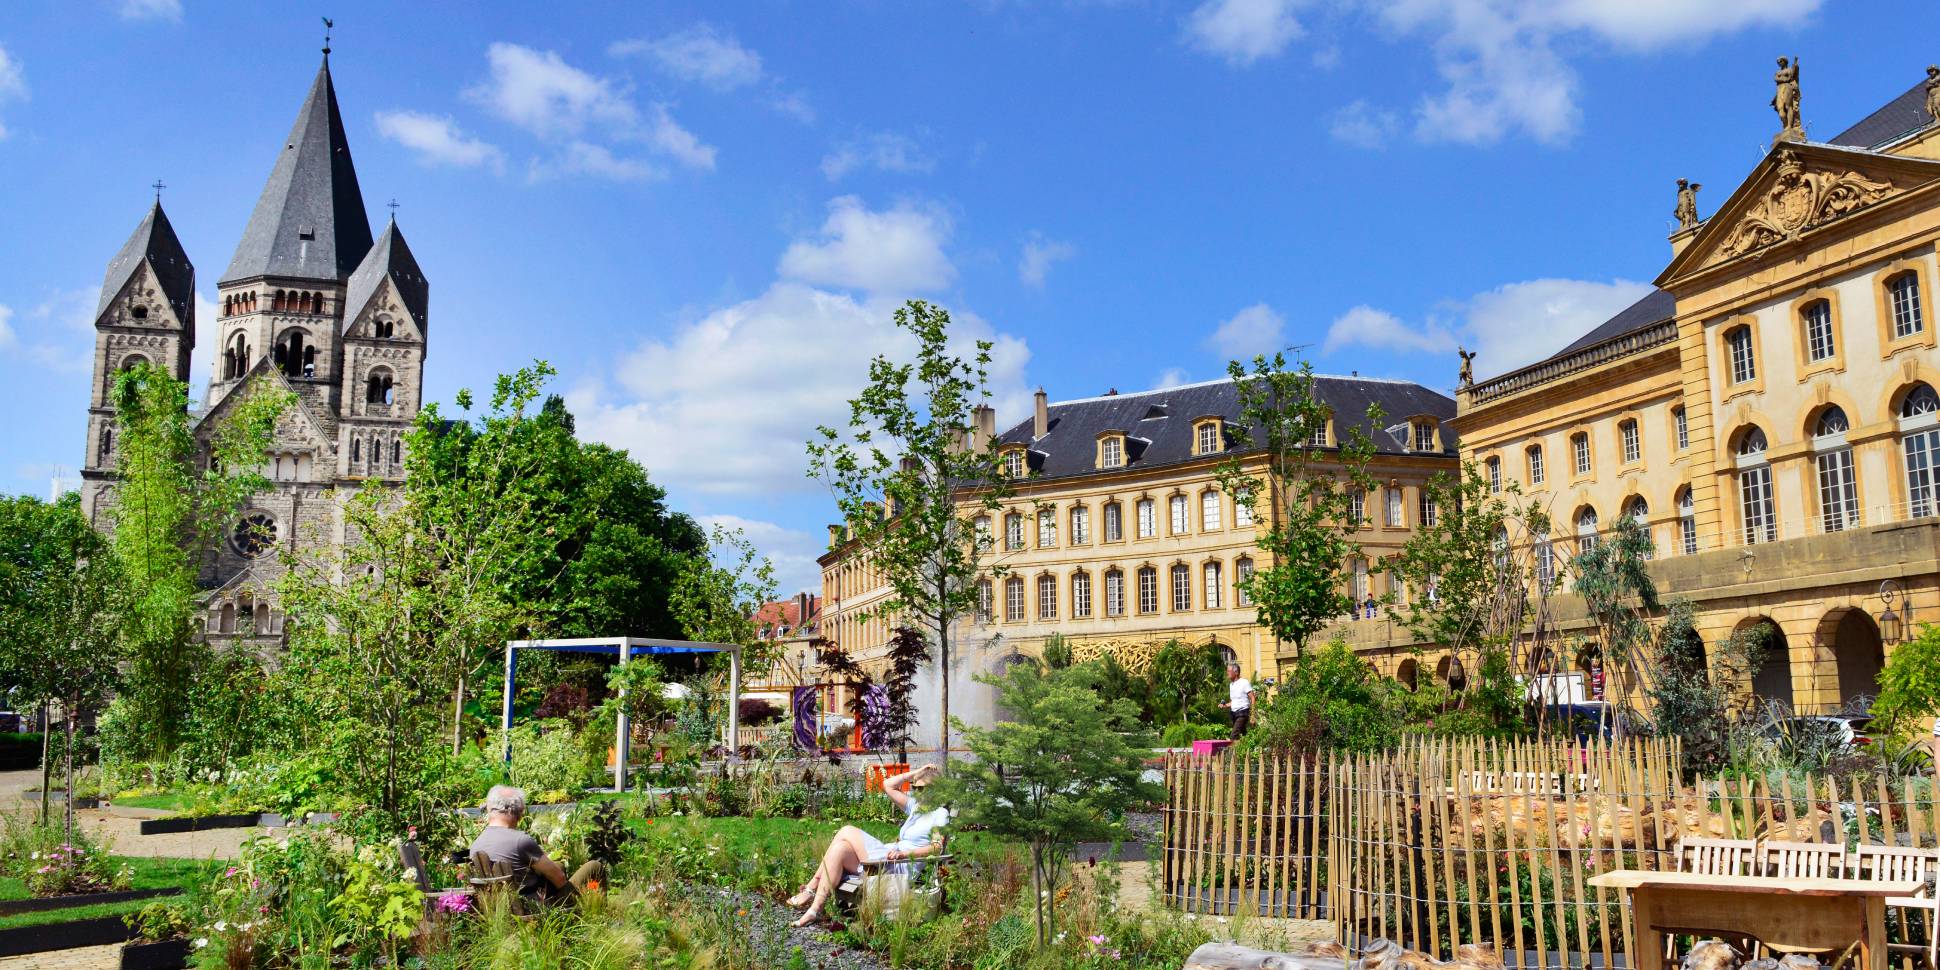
{"points": [[392, 205], [328, 25], [158, 187]]}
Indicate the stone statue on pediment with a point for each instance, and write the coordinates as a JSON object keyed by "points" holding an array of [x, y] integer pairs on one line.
{"points": [[1786, 101], [1468, 367], [1686, 211], [1933, 91]]}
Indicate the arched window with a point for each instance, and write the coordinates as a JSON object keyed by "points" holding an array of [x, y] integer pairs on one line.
{"points": [[133, 361], [1743, 360], [1686, 522], [984, 604], [1114, 592], [356, 448], [1047, 597], [1681, 427], [1181, 588], [292, 351], [107, 445], [139, 313], [397, 450], [1903, 292], [1215, 594], [1838, 485], [377, 388], [1014, 599], [262, 617], [1180, 521], [1242, 576], [1816, 318], [280, 302], [1080, 595], [1586, 535], [226, 620], [235, 358], [1148, 590], [1638, 511], [384, 328], [1755, 489], [316, 303], [1361, 591], [1114, 515], [1920, 443]]}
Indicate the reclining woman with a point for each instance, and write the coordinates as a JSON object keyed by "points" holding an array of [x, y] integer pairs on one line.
{"points": [[851, 846]]}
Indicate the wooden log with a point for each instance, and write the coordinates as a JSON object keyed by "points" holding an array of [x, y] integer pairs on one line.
{"points": [[1232, 956], [1378, 955]]}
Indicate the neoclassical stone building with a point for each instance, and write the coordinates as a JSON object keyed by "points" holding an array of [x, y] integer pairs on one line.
{"points": [[1770, 411], [309, 302], [1119, 538]]}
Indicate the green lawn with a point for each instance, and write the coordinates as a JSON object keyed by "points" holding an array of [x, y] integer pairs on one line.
{"points": [[768, 855], [149, 874], [174, 801]]}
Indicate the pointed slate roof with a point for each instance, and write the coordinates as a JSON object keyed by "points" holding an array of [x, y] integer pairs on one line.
{"points": [[154, 240], [389, 257], [1893, 120], [310, 221]]}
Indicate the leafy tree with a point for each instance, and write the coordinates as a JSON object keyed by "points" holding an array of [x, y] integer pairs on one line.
{"points": [[717, 599], [621, 568], [1062, 771], [909, 451], [1331, 699], [1186, 681], [1909, 684], [896, 721], [62, 597], [1685, 700], [169, 511], [1303, 496], [1621, 597]]}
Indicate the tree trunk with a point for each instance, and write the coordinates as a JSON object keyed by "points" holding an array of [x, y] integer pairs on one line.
{"points": [[943, 686], [46, 765], [69, 710], [1037, 892], [458, 718]]}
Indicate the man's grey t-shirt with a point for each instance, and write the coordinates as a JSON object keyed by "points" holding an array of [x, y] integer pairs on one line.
{"points": [[513, 846]]}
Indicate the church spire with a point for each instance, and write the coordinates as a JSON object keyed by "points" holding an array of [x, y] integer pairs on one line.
{"points": [[310, 221], [154, 243]]}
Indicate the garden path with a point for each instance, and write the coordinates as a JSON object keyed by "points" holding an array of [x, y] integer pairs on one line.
{"points": [[126, 832], [85, 958]]}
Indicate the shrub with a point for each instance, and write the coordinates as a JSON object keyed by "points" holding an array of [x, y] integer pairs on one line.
{"points": [[52, 863], [755, 710], [1182, 735], [1332, 699], [547, 757]]}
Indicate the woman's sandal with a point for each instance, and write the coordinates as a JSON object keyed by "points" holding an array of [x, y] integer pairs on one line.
{"points": [[800, 899]]}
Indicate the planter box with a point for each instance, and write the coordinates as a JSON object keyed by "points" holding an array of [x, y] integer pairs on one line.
{"points": [[44, 904], [164, 955], [99, 931], [198, 823]]}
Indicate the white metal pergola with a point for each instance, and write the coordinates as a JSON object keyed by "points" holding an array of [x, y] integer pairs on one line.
{"points": [[626, 648]]}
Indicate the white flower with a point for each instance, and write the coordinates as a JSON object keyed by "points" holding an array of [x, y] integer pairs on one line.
{"points": [[221, 926], [201, 941], [411, 874]]}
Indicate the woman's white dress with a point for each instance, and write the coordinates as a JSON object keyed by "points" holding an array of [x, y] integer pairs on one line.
{"points": [[918, 826]]}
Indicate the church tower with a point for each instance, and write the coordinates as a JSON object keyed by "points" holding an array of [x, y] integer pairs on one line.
{"points": [[146, 314], [385, 313]]}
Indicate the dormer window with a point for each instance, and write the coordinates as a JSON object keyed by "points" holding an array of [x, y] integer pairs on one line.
{"points": [[1111, 450], [1205, 437], [1425, 436], [1319, 438], [1014, 464]]}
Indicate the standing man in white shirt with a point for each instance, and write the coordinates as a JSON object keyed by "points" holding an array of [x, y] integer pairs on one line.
{"points": [[1239, 692]]}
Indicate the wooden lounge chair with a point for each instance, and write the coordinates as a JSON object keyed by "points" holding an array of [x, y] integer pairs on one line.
{"points": [[1894, 862], [1715, 857], [490, 877]]}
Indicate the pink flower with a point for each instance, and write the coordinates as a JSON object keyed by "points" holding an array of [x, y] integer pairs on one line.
{"points": [[454, 902], [231, 872]]}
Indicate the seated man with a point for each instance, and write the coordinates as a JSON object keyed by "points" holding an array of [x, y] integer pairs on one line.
{"points": [[538, 876]]}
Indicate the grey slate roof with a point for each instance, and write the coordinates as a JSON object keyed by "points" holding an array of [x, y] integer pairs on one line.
{"points": [[391, 257], [1900, 116], [1158, 424], [310, 221], [1656, 307], [154, 240]]}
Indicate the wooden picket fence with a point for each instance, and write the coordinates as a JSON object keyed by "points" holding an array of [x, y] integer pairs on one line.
{"points": [[1444, 843]]}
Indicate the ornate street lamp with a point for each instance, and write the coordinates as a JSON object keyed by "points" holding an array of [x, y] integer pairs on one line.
{"points": [[1892, 625]]}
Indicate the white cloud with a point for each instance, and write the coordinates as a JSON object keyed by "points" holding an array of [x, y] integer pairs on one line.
{"points": [[795, 105], [13, 83], [438, 141], [792, 551], [699, 54], [598, 161], [170, 10], [1038, 257], [7, 339], [1364, 126], [1508, 327], [898, 250], [682, 404], [1243, 31], [884, 151], [667, 136], [57, 334], [540, 92], [1499, 61], [1170, 377], [1364, 326], [1253, 331]]}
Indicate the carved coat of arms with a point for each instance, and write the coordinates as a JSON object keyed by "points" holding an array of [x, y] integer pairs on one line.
{"points": [[1799, 200]]}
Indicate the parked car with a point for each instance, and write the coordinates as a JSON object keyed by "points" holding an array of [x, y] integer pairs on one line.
{"points": [[1847, 732]]}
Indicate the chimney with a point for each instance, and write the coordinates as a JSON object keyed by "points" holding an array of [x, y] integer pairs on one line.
{"points": [[835, 534], [801, 609], [985, 430], [1041, 421]]}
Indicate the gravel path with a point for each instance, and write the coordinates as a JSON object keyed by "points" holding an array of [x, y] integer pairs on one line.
{"points": [[775, 942]]}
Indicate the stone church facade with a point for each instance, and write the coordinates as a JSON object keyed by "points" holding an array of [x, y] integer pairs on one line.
{"points": [[311, 303]]}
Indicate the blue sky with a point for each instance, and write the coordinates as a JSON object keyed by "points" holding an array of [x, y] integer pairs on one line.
{"points": [[702, 214]]}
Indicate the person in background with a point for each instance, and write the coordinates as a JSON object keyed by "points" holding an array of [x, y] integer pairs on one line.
{"points": [[1239, 692], [502, 841]]}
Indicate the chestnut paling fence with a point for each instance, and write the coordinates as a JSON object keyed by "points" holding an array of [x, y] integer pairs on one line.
{"points": [[1445, 843]]}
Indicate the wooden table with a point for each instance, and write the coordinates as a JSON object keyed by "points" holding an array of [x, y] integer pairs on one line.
{"points": [[1787, 915]]}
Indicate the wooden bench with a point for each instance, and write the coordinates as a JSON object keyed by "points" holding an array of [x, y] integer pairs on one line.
{"points": [[490, 878], [927, 882]]}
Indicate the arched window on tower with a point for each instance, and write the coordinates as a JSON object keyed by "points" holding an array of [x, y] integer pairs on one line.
{"points": [[292, 352], [280, 302], [235, 358], [397, 451], [107, 445], [310, 361], [377, 389], [227, 621], [384, 328], [356, 448]]}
